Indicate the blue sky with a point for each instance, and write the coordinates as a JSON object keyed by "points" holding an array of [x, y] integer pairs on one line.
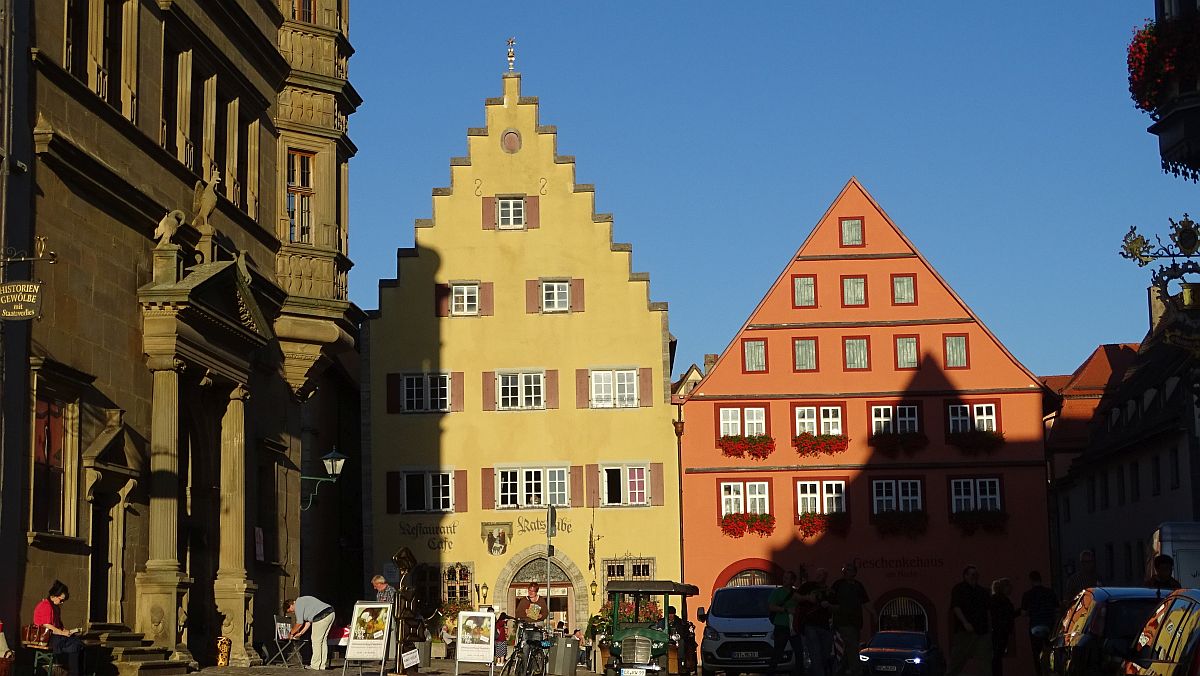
{"points": [[999, 136]]}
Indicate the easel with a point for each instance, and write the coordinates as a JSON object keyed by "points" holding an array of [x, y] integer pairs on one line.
{"points": [[469, 650], [382, 658]]}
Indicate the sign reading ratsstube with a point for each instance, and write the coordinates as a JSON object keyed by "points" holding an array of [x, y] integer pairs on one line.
{"points": [[20, 300]]}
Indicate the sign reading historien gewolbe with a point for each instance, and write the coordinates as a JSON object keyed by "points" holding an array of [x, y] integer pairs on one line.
{"points": [[20, 300]]}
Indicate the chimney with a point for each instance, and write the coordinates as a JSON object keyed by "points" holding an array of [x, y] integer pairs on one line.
{"points": [[1158, 306], [710, 360]]}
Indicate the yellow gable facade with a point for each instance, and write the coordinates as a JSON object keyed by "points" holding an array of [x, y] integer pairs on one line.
{"points": [[516, 362]]}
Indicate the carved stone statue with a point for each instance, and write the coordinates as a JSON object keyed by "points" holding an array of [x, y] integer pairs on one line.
{"points": [[168, 226], [205, 200]]}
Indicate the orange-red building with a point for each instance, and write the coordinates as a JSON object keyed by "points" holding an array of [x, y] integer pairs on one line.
{"points": [[905, 437]]}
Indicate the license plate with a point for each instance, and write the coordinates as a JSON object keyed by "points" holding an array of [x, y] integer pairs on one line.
{"points": [[745, 655], [885, 667], [633, 672]]}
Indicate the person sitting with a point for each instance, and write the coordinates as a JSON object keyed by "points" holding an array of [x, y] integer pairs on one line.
{"points": [[47, 615]]}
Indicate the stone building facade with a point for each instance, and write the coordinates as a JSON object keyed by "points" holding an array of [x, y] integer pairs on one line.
{"points": [[188, 165]]}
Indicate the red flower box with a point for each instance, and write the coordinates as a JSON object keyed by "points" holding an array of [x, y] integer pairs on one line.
{"points": [[1163, 54], [812, 523], [813, 445], [757, 446], [971, 520], [893, 522], [894, 443], [975, 441], [738, 524]]}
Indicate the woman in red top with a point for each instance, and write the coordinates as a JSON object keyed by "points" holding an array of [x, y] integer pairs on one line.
{"points": [[48, 615]]}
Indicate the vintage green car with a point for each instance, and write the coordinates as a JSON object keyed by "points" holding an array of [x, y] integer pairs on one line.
{"points": [[645, 638]]}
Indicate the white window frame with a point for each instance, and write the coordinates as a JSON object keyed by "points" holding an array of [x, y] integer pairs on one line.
{"points": [[426, 383], [908, 418], [758, 497], [976, 493], [833, 494], [445, 480], [731, 422], [510, 213], [635, 483], [733, 498], [898, 418], [557, 481], [530, 390], [820, 497], [754, 421], [550, 484], [831, 420], [508, 488], [464, 300], [882, 420], [912, 290], [808, 497], [848, 284], [806, 420], [984, 417], [959, 416], [883, 496], [556, 295], [851, 241], [909, 495], [617, 388], [900, 354]]}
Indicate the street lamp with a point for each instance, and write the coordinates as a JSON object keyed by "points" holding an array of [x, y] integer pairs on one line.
{"points": [[484, 589], [592, 588], [333, 462]]}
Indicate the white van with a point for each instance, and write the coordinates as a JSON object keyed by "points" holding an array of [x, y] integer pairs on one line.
{"points": [[1181, 541], [738, 632]]}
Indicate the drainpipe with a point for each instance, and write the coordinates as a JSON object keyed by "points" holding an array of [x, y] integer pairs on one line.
{"points": [[678, 425]]}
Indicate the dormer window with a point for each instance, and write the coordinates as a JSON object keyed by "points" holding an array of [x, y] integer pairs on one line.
{"points": [[1114, 418], [1130, 410]]}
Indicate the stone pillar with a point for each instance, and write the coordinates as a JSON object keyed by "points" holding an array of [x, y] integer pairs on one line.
{"points": [[233, 592], [161, 588]]}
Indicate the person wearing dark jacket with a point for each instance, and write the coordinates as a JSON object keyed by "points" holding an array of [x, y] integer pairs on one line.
{"points": [[1162, 578], [970, 617], [1001, 614], [1040, 604]]}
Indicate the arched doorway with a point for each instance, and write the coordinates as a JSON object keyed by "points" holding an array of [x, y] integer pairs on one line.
{"points": [[903, 613], [568, 588], [560, 594], [749, 577]]}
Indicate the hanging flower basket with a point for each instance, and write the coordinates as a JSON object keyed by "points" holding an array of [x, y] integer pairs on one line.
{"points": [[895, 443], [971, 520], [757, 446], [975, 441], [1163, 56], [738, 525], [813, 445], [811, 523], [893, 522]]}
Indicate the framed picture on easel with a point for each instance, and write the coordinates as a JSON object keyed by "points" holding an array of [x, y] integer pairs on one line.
{"points": [[370, 629]]}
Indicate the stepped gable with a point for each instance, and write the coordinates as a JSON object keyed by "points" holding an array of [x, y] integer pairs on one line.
{"points": [[821, 254]]}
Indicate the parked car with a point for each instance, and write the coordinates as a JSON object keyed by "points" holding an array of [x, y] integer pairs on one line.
{"points": [[1097, 630], [644, 640], [737, 632], [1169, 643], [902, 653]]}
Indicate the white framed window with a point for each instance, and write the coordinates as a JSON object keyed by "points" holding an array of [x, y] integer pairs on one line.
{"points": [[909, 492], [527, 487], [805, 352], [731, 422], [532, 487], [908, 419], [556, 296], [960, 418], [519, 391], [904, 290], [626, 485], [754, 354], [756, 421], [834, 493], [510, 213], [906, 352], [732, 498], [614, 389], [556, 486], [854, 291], [857, 353], [804, 291], [758, 500], [820, 497], [831, 420], [881, 420], [985, 417], [808, 497], [428, 492], [464, 299], [852, 232], [509, 493], [806, 420], [956, 352], [971, 494], [903, 495], [424, 392], [883, 496]]}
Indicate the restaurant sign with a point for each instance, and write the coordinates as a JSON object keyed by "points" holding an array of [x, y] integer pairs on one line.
{"points": [[20, 300]]}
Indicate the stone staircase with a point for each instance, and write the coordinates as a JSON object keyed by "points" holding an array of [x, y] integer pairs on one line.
{"points": [[121, 652]]}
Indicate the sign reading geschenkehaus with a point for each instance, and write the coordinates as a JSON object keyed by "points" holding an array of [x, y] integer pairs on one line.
{"points": [[20, 300]]}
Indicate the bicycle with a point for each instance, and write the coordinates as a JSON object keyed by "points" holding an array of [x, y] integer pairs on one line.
{"points": [[529, 658]]}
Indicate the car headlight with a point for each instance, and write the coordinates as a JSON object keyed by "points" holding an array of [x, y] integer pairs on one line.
{"points": [[913, 660], [864, 658], [711, 634]]}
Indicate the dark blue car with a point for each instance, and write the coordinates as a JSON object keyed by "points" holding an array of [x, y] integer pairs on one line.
{"points": [[902, 653]]}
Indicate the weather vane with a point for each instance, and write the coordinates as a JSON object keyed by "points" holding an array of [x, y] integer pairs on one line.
{"points": [[512, 54]]}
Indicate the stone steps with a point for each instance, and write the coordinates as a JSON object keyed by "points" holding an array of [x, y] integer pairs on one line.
{"points": [[151, 668], [128, 653]]}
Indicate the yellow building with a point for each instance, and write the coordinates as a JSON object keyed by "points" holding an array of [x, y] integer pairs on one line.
{"points": [[516, 362]]}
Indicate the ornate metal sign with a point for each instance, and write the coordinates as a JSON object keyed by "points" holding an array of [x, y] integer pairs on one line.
{"points": [[1183, 322], [20, 300]]}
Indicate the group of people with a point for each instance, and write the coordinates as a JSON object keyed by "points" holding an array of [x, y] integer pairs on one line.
{"points": [[983, 620], [812, 617]]}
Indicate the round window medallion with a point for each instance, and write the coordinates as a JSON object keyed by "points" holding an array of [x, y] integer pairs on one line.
{"points": [[510, 141]]}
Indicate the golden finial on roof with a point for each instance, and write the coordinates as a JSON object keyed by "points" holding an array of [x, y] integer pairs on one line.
{"points": [[512, 55]]}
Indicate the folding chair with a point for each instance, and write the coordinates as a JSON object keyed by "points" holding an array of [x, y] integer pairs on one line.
{"points": [[286, 648]]}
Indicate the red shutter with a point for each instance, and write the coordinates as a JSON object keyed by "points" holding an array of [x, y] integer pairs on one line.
{"points": [[460, 490], [533, 213], [489, 213], [645, 387], [532, 291], [552, 388], [487, 489], [487, 299], [658, 495], [456, 391], [576, 485], [592, 472], [583, 395], [441, 300], [395, 387], [576, 295], [489, 390], [395, 493]]}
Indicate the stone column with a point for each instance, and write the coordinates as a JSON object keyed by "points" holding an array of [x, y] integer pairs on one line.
{"points": [[233, 592], [161, 588]]}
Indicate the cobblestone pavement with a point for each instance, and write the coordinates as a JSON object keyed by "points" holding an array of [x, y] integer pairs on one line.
{"points": [[439, 667]]}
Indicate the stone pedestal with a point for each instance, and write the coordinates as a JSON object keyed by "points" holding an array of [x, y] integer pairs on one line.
{"points": [[235, 603], [160, 608]]}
